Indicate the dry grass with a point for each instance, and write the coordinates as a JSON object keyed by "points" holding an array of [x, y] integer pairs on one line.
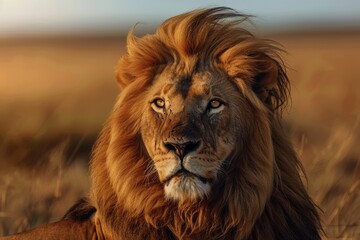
{"points": [[325, 125], [30, 197], [56, 90], [334, 181]]}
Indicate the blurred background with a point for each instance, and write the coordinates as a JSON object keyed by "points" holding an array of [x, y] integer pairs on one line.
{"points": [[57, 88]]}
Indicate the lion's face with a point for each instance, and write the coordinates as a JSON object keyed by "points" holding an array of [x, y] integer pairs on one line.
{"points": [[189, 131]]}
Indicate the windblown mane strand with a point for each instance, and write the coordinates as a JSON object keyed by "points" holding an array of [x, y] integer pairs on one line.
{"points": [[200, 37]]}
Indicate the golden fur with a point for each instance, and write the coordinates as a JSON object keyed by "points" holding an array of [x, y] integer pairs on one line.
{"points": [[65, 229], [256, 192], [260, 197]]}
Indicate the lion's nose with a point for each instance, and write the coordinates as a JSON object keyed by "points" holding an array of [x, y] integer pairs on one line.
{"points": [[182, 149]]}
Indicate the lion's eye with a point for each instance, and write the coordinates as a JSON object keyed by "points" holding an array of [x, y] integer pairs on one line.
{"points": [[215, 104], [158, 103]]}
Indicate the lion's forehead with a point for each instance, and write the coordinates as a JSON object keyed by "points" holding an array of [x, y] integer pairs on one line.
{"points": [[184, 89], [186, 84]]}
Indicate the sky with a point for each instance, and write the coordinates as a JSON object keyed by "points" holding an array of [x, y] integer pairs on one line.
{"points": [[29, 17]]}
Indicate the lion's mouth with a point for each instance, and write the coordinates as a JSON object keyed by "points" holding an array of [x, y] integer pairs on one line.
{"points": [[183, 173]]}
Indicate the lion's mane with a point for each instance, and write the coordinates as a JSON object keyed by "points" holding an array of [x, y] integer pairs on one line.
{"points": [[253, 202]]}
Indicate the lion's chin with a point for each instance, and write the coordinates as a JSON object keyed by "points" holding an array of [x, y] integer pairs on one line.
{"points": [[185, 188]]}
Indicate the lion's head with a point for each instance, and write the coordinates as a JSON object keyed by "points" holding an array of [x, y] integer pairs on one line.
{"points": [[190, 127], [193, 147]]}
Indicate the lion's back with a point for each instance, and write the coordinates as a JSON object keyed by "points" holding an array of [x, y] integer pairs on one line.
{"points": [[77, 224], [64, 229]]}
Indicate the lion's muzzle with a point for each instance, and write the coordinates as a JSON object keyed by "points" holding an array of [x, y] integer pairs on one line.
{"points": [[182, 149]]}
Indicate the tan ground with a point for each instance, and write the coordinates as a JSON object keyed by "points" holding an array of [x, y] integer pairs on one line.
{"points": [[55, 95]]}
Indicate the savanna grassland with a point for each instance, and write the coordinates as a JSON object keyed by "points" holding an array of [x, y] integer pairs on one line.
{"points": [[55, 94]]}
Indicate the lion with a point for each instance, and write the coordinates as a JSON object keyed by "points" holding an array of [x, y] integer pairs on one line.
{"points": [[195, 148]]}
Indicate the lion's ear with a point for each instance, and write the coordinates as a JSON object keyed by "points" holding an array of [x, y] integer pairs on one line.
{"points": [[270, 82]]}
